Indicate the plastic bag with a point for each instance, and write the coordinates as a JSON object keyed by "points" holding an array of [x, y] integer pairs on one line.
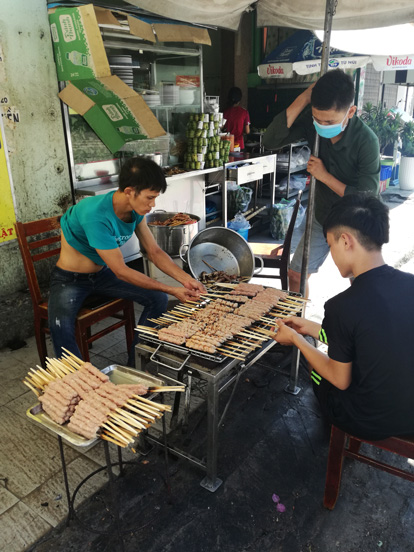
{"points": [[280, 218], [297, 182], [239, 223], [300, 216], [238, 199], [300, 156]]}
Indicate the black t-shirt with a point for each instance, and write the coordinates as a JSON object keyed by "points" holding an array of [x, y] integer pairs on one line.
{"points": [[371, 324]]}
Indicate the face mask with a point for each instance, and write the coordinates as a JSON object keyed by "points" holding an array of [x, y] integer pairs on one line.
{"points": [[330, 131]]}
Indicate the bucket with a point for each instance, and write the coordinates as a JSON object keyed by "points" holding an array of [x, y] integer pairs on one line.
{"points": [[244, 233]]}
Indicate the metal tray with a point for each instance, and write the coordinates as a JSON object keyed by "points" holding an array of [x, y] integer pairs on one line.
{"points": [[117, 374]]}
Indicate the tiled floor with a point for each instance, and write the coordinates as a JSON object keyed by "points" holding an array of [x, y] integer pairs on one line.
{"points": [[32, 492], [32, 496]]}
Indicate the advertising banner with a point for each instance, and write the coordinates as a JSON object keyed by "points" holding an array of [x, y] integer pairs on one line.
{"points": [[7, 214]]}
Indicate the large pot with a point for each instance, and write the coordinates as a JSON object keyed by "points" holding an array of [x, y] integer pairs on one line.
{"points": [[222, 248], [171, 238]]}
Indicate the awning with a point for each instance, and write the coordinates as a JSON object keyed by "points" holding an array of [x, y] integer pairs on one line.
{"points": [[299, 14], [301, 54]]}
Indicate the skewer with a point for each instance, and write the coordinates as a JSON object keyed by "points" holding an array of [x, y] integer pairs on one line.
{"points": [[147, 332], [167, 388], [35, 391], [69, 367], [54, 366], [146, 328], [122, 421], [209, 266], [142, 413], [227, 354], [44, 375], [158, 321], [38, 378], [74, 357], [125, 434], [144, 406], [158, 406], [108, 438], [117, 435]]}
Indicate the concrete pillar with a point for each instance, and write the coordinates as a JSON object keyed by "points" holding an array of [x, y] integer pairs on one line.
{"points": [[35, 140]]}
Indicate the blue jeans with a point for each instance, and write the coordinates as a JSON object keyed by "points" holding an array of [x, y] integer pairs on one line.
{"points": [[68, 290]]}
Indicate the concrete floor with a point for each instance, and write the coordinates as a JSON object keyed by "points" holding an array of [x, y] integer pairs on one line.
{"points": [[272, 443]]}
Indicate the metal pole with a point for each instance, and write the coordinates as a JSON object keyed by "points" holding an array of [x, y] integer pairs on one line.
{"points": [[329, 13]]}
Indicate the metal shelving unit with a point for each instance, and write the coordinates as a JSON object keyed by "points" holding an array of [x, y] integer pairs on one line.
{"points": [[287, 170]]}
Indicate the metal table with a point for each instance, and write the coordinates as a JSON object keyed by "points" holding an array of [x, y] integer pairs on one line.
{"points": [[218, 376]]}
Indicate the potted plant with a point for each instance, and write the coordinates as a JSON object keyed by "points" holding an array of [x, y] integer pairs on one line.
{"points": [[385, 124], [406, 172]]}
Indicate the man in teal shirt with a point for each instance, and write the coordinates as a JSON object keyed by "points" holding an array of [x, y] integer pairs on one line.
{"points": [[91, 262], [348, 159]]}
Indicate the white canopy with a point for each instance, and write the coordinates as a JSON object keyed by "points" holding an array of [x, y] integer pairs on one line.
{"points": [[299, 14]]}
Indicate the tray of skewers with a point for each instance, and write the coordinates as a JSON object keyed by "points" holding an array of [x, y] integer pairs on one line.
{"points": [[80, 403]]}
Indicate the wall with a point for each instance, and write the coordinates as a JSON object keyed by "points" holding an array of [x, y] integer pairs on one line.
{"points": [[35, 142]]}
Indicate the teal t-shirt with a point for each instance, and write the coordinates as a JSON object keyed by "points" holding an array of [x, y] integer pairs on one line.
{"points": [[92, 224]]}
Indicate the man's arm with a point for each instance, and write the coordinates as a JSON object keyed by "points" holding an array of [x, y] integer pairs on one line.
{"points": [[164, 261], [114, 260], [337, 373], [317, 169], [282, 129]]}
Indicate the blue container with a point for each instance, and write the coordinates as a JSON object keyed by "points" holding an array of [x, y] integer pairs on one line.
{"points": [[386, 171], [244, 233]]}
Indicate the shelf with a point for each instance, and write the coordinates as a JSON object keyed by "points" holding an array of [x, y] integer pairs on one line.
{"points": [[178, 106], [285, 170]]}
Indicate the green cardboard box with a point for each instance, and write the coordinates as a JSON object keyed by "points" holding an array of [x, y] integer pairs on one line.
{"points": [[114, 110], [77, 42]]}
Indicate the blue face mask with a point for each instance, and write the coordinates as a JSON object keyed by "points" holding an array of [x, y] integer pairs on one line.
{"points": [[330, 131]]}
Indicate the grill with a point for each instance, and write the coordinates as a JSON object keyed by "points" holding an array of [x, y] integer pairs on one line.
{"points": [[241, 345], [218, 372]]}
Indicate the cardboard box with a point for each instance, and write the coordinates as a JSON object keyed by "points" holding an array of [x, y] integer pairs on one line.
{"points": [[114, 110], [77, 42]]}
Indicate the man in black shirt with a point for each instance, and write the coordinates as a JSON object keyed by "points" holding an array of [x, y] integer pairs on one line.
{"points": [[365, 383]]}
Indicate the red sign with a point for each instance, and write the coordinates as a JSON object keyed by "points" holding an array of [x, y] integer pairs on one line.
{"points": [[187, 80]]}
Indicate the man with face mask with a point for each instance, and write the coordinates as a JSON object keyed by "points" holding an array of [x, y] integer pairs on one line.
{"points": [[348, 159]]}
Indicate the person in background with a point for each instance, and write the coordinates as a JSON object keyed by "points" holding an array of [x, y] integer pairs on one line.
{"points": [[91, 262], [237, 118], [348, 161], [364, 384]]}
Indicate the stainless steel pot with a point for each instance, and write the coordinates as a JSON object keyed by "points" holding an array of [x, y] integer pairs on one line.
{"points": [[223, 249], [171, 238]]}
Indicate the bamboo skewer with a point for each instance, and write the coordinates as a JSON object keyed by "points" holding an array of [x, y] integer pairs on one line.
{"points": [[167, 388], [142, 413], [111, 440], [209, 266], [155, 405]]}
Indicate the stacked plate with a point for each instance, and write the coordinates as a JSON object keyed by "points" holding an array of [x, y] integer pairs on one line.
{"points": [[122, 67], [170, 94], [152, 99]]}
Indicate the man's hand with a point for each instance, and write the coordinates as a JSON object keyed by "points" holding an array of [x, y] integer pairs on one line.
{"points": [[284, 334], [183, 294], [303, 326], [194, 285], [317, 169]]}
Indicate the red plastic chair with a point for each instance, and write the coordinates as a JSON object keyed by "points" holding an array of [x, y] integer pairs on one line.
{"points": [[39, 240], [344, 445]]}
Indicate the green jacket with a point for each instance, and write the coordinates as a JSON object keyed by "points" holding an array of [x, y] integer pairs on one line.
{"points": [[354, 160]]}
